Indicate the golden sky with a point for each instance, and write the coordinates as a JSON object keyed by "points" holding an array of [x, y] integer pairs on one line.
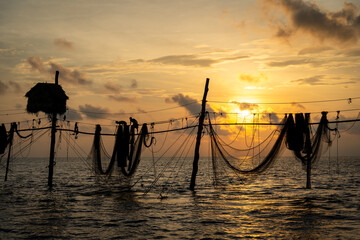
{"points": [[118, 57]]}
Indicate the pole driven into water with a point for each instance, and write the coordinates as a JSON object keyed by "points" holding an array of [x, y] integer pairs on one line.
{"points": [[308, 153], [52, 144], [198, 138], [11, 137]]}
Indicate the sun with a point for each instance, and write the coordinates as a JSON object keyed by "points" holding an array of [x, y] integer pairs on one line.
{"points": [[245, 109], [242, 113]]}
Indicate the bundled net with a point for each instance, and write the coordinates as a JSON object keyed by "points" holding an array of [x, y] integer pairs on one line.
{"points": [[3, 139], [126, 152], [299, 140]]}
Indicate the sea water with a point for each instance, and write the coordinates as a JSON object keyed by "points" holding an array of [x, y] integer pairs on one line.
{"points": [[159, 205]]}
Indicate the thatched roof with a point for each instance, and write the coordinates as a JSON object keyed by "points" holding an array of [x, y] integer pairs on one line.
{"points": [[46, 97]]}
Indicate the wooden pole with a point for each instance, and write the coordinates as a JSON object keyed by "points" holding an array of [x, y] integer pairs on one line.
{"points": [[198, 138], [308, 152], [11, 137], [52, 144]]}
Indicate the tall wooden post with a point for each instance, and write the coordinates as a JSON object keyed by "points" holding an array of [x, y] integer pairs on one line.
{"points": [[198, 138], [52, 144], [11, 137], [308, 152]]}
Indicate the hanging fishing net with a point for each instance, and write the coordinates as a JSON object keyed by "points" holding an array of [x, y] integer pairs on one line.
{"points": [[126, 152], [295, 133], [306, 146], [231, 163]]}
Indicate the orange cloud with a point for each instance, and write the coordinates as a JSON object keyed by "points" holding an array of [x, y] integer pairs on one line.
{"points": [[63, 44]]}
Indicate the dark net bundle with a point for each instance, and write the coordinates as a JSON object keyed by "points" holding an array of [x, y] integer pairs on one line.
{"points": [[299, 140], [100, 158], [243, 166], [3, 138], [126, 153]]}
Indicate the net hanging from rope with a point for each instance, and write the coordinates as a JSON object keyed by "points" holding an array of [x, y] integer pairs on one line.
{"points": [[126, 152], [299, 141], [294, 133], [240, 165]]}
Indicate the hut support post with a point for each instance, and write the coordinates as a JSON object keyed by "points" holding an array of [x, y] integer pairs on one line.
{"points": [[11, 137], [198, 138], [52, 144]]}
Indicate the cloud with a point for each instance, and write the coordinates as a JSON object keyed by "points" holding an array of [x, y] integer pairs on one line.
{"points": [[307, 17], [73, 115], [297, 105], [252, 78], [311, 50], [122, 98], [189, 103], [140, 110], [193, 60], [353, 53], [134, 83], [3, 88], [185, 60], [288, 62], [63, 44], [15, 86], [67, 75], [93, 112], [36, 63], [112, 87], [283, 33], [150, 92], [315, 80], [246, 106], [270, 117], [320, 80]]}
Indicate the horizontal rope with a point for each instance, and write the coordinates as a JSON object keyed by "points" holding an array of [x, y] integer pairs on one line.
{"points": [[277, 124], [277, 113], [193, 126], [268, 103], [104, 134]]}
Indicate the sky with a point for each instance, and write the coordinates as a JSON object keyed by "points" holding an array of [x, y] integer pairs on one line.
{"points": [[130, 58]]}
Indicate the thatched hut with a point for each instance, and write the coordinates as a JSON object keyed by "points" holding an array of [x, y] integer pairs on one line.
{"points": [[46, 97]]}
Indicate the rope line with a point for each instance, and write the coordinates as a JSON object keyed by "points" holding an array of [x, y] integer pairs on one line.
{"points": [[304, 102]]}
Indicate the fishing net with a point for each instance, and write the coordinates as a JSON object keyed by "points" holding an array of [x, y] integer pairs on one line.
{"points": [[126, 152], [299, 140], [242, 165], [294, 133]]}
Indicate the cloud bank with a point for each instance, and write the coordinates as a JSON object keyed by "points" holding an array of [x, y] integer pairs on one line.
{"points": [[189, 103], [71, 76], [93, 112], [63, 44], [307, 17], [193, 60]]}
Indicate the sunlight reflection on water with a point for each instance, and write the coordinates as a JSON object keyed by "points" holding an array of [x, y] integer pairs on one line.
{"points": [[274, 206]]}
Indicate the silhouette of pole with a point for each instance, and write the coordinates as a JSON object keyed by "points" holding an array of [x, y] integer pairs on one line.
{"points": [[308, 153], [11, 137], [198, 138], [52, 144]]}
